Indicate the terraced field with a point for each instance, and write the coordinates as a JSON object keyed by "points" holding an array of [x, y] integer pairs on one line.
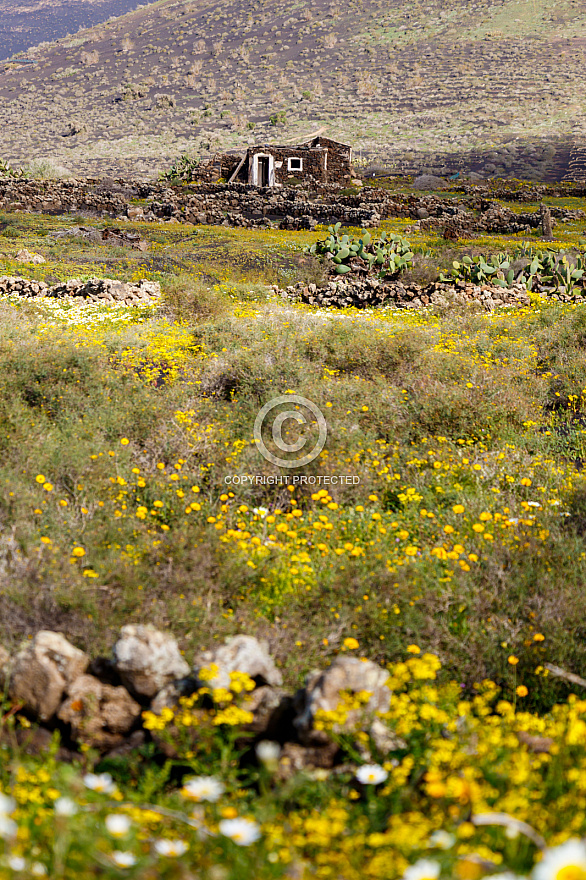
{"points": [[497, 87]]}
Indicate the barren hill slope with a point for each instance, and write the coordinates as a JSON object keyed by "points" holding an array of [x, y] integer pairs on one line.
{"points": [[25, 23], [400, 81]]}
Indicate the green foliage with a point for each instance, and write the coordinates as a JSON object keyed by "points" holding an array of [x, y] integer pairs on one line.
{"points": [[279, 118], [385, 256]]}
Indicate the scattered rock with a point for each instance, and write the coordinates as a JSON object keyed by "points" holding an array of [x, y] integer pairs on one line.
{"points": [[323, 690], [42, 670], [24, 256], [99, 714], [147, 659], [124, 238], [169, 695], [270, 706], [241, 654]]}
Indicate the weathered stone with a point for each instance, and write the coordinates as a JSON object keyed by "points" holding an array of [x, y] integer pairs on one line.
{"points": [[42, 670], [99, 714], [295, 757], [323, 690], [240, 654], [169, 695], [147, 659], [26, 256], [106, 289]]}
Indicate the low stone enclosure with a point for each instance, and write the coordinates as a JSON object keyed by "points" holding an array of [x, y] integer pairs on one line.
{"points": [[471, 210], [100, 703], [101, 290]]}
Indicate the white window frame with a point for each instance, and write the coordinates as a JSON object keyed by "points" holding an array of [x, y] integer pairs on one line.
{"points": [[294, 159]]}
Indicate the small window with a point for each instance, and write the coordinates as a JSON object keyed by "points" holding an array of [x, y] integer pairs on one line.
{"points": [[294, 164]]}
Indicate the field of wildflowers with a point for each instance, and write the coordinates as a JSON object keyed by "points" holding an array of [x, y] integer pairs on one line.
{"points": [[456, 559]]}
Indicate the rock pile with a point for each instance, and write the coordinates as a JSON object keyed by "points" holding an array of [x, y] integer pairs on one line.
{"points": [[104, 290], [100, 703]]}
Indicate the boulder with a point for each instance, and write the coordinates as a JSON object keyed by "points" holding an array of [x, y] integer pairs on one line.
{"points": [[100, 714], [323, 690], [430, 181], [168, 697], [42, 670], [25, 256], [240, 654], [147, 659], [295, 757]]}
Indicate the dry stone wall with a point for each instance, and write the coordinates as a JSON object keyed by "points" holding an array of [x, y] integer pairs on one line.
{"points": [[371, 293], [103, 290], [469, 212]]}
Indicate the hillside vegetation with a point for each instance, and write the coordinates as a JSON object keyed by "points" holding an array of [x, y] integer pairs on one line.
{"points": [[452, 555], [500, 83]]}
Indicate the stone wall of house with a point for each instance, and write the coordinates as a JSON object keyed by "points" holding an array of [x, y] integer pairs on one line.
{"points": [[313, 164], [339, 160]]}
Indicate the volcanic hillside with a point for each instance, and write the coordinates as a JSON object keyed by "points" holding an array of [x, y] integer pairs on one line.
{"points": [[24, 24], [499, 84]]}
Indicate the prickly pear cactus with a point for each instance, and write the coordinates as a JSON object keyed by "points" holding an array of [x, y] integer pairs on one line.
{"points": [[385, 256], [6, 170]]}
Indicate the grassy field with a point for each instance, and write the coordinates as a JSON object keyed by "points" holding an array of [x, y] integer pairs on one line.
{"points": [[464, 540]]}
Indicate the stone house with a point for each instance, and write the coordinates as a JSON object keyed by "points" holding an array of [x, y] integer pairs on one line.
{"points": [[321, 159]]}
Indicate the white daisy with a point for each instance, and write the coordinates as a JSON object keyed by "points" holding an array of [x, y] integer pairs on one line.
{"points": [[371, 774], [241, 831], [101, 782], [268, 752], [8, 827], [118, 825], [203, 788], [17, 863], [424, 869], [562, 862], [507, 875], [442, 839], [65, 807], [7, 805], [123, 859], [38, 869], [171, 848]]}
